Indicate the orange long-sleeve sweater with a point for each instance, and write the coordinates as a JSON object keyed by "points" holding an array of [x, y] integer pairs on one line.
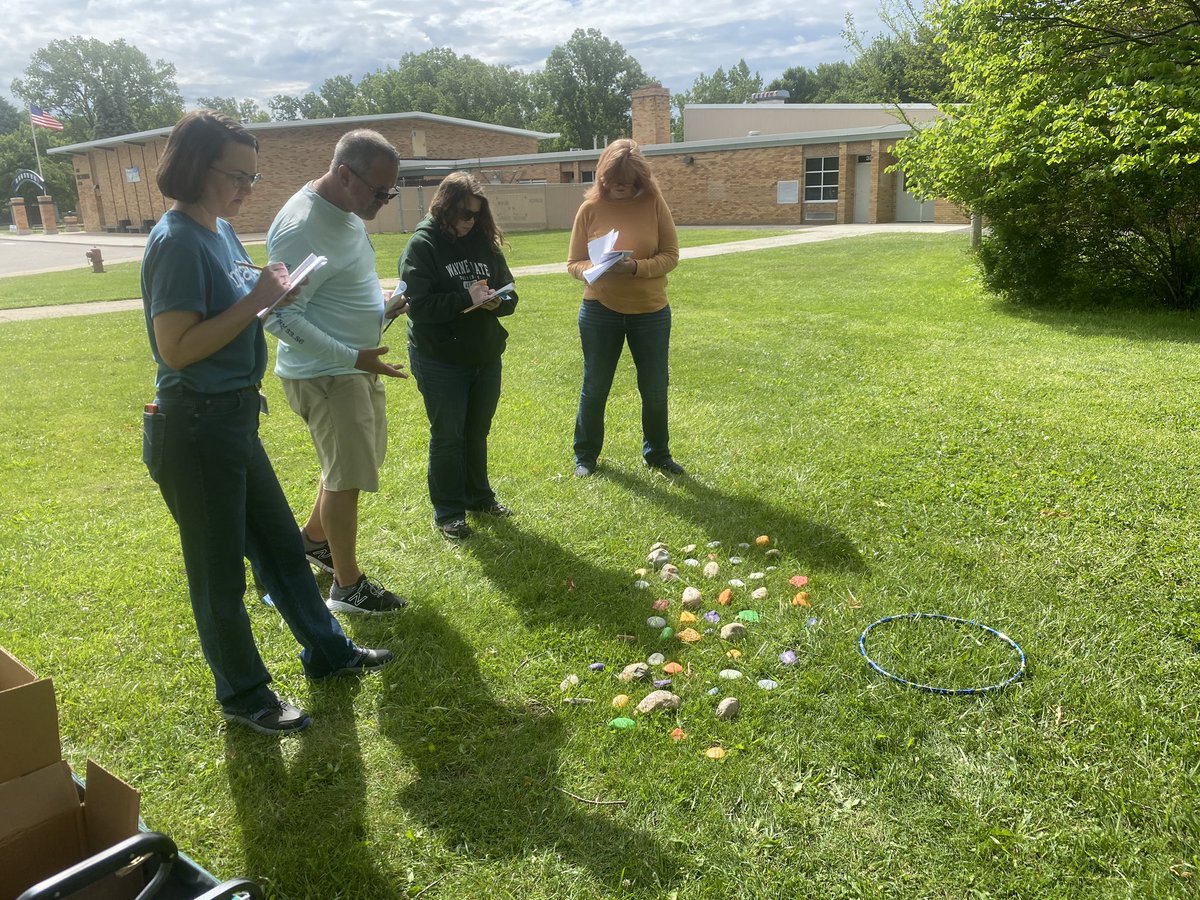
{"points": [[644, 226]]}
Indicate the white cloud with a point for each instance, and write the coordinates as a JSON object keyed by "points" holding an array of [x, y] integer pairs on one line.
{"points": [[230, 48]]}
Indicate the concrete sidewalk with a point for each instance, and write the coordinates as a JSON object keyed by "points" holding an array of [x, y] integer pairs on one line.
{"points": [[133, 244]]}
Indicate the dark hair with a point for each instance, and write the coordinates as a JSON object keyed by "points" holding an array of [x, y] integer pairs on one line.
{"points": [[447, 205], [197, 141], [358, 149], [622, 160]]}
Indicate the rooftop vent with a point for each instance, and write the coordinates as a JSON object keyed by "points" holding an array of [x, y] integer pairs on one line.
{"points": [[769, 97]]}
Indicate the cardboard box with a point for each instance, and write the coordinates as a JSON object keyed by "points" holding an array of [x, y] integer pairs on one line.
{"points": [[45, 825]]}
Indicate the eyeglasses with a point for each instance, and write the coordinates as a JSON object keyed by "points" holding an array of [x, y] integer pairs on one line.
{"points": [[240, 180], [381, 194], [468, 215]]}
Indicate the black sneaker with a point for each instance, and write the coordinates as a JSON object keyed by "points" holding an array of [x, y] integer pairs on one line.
{"points": [[362, 660], [318, 554], [455, 530], [496, 509], [279, 717], [583, 471], [668, 466], [364, 596]]}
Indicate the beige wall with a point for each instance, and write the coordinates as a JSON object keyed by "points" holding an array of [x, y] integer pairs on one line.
{"points": [[703, 123], [517, 207], [287, 158]]}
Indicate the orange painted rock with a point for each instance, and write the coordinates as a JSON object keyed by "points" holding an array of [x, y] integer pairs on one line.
{"points": [[715, 752], [672, 668], [801, 599], [762, 540], [726, 597], [690, 635]]}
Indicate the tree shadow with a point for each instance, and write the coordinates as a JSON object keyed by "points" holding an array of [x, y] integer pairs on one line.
{"points": [[303, 826], [1135, 324], [485, 773]]}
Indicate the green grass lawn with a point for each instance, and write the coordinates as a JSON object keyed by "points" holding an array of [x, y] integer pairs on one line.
{"points": [[906, 443], [120, 281]]}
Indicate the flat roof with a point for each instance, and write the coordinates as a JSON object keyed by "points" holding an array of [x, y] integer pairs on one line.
{"points": [[353, 121], [837, 135], [777, 105]]}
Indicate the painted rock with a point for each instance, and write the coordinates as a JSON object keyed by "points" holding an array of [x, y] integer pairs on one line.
{"points": [[711, 569], [735, 560], [689, 549], [672, 668], [658, 558], [713, 545], [578, 701], [635, 672], [692, 598], [762, 540], [767, 684], [713, 691], [657, 545], [641, 573], [620, 701], [801, 599], [656, 621], [715, 752], [622, 722], [669, 572], [728, 708], [569, 682], [730, 674], [734, 631], [788, 657], [759, 593], [798, 580], [641, 584], [757, 576], [691, 562], [656, 659], [748, 615], [660, 605], [712, 617], [663, 683], [726, 597], [744, 545], [773, 553], [678, 734], [658, 701], [737, 583], [666, 633], [733, 653], [690, 635], [596, 666], [686, 618]]}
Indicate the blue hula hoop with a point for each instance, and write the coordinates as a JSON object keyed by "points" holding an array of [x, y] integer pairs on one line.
{"points": [[934, 689]]}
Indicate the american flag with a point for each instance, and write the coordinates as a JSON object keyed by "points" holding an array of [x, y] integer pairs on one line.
{"points": [[39, 116]]}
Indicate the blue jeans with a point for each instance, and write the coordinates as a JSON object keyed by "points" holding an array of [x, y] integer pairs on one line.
{"points": [[215, 476], [603, 334], [460, 402]]}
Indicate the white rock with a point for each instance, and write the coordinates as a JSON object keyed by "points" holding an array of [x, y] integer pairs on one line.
{"points": [[656, 622], [757, 576], [692, 598], [691, 562], [689, 549], [658, 701], [657, 545], [736, 582], [744, 545], [668, 572], [569, 682], [735, 560], [734, 631], [656, 659], [711, 569], [767, 684], [730, 674], [713, 545], [759, 593], [641, 584], [635, 672]]}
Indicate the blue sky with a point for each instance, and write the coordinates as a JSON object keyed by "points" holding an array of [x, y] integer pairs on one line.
{"points": [[227, 48]]}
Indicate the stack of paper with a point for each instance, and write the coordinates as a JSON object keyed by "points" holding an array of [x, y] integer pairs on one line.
{"points": [[311, 263], [603, 256]]}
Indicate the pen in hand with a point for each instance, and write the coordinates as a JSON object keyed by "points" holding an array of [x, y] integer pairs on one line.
{"points": [[249, 265]]}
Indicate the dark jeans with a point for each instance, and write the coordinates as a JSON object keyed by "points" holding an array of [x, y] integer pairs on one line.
{"points": [[603, 334], [219, 485], [460, 402]]}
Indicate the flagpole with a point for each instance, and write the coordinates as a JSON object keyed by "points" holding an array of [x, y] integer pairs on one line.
{"points": [[36, 152]]}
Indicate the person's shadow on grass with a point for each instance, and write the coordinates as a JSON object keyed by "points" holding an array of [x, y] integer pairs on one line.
{"points": [[484, 774], [742, 517], [303, 821]]}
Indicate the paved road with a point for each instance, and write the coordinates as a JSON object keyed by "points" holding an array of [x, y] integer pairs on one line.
{"points": [[40, 253]]}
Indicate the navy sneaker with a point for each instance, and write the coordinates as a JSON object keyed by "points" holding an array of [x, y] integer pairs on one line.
{"points": [[362, 660], [318, 554], [279, 717], [365, 597]]}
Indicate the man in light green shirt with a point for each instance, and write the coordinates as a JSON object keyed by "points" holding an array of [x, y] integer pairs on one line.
{"points": [[329, 357]]}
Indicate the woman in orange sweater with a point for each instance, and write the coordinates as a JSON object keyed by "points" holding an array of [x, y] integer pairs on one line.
{"points": [[628, 303]]}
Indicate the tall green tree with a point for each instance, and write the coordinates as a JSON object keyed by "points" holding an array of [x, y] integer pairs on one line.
{"points": [[834, 82], [1078, 140], [586, 90], [93, 86], [10, 117], [244, 110]]}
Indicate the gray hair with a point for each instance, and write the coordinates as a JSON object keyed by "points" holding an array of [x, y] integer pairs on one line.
{"points": [[360, 148]]}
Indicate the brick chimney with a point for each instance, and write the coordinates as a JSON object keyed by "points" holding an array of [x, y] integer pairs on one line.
{"points": [[652, 115]]}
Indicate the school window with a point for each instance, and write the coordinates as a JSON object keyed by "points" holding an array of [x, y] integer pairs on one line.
{"points": [[821, 178]]}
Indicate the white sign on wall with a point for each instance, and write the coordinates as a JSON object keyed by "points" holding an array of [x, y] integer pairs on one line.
{"points": [[133, 174], [787, 192]]}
